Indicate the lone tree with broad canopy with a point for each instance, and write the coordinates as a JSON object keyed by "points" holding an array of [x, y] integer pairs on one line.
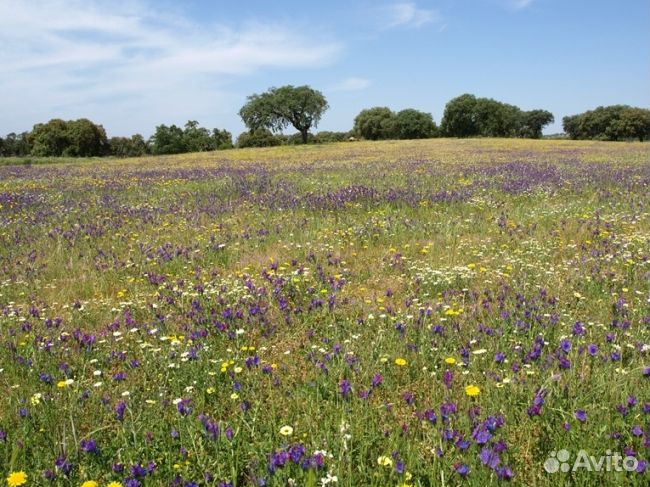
{"points": [[299, 106]]}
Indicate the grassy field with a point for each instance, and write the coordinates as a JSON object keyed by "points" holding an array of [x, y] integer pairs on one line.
{"points": [[413, 313]]}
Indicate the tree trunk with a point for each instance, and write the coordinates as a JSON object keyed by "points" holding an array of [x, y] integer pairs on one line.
{"points": [[304, 134]]}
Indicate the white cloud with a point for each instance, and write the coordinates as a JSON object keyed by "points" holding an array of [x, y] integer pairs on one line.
{"points": [[72, 58], [351, 84], [408, 14]]}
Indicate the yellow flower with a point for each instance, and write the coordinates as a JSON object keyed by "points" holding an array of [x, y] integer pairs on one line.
{"points": [[64, 383], [450, 360], [90, 483], [17, 478], [286, 431], [384, 461], [400, 361], [114, 484], [453, 312], [472, 390]]}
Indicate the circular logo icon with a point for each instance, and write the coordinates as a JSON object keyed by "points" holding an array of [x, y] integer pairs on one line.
{"points": [[551, 465], [563, 455], [557, 461], [630, 463]]}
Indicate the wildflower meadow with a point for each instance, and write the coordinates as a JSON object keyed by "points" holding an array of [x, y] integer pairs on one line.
{"points": [[401, 313]]}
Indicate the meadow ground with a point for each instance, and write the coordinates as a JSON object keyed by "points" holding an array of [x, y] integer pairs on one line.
{"points": [[423, 313]]}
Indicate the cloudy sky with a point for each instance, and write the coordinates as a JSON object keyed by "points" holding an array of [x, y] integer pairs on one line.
{"points": [[132, 65]]}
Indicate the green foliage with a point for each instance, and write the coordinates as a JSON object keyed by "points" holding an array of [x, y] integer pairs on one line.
{"points": [[633, 123], [382, 123], [266, 138], [375, 123], [468, 116], [85, 139], [168, 140], [193, 138], [276, 109], [258, 138], [15, 145], [459, 118], [133, 146], [326, 136], [532, 123], [49, 139], [413, 124], [496, 119], [615, 122], [297, 139], [199, 139], [221, 139], [73, 138]]}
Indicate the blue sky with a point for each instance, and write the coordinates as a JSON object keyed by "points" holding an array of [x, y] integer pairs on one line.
{"points": [[133, 65]]}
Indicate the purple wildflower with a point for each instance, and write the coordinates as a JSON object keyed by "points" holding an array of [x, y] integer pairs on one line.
{"points": [[461, 469], [489, 458], [120, 408], [89, 446], [345, 388], [504, 472]]}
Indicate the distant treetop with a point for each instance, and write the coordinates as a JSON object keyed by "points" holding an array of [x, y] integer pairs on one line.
{"points": [[469, 116], [615, 122], [277, 108]]}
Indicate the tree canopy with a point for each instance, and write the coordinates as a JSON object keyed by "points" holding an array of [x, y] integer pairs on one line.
{"points": [[276, 109], [192, 138], [16, 145], [85, 139], [68, 138], [267, 114], [375, 123], [133, 146], [414, 124], [460, 117], [382, 123], [469, 116], [258, 138], [615, 122], [532, 123]]}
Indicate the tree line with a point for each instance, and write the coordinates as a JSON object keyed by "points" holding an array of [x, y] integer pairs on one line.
{"points": [[615, 122], [464, 116], [83, 138], [267, 115]]}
